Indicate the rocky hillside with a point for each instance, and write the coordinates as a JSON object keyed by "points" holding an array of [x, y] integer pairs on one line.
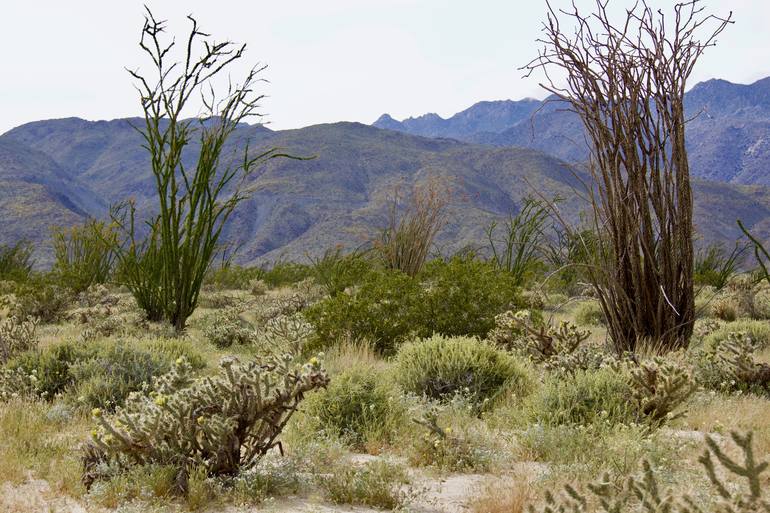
{"points": [[728, 137], [78, 168]]}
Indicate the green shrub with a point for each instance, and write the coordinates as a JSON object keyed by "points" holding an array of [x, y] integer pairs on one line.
{"points": [[463, 295], [583, 398], [173, 348], [51, 366], [83, 254], [385, 310], [359, 406], [16, 261], [105, 379], [43, 298], [758, 331], [286, 273], [335, 271], [232, 277], [440, 367], [376, 483]]}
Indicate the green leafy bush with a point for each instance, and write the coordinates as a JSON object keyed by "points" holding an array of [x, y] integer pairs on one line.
{"points": [[758, 331], [385, 310], [221, 423], [589, 313], [440, 367], [377, 483], [335, 271], [50, 366], [84, 254], [584, 398], [16, 261], [43, 298], [232, 277], [286, 273], [463, 295], [360, 406]]}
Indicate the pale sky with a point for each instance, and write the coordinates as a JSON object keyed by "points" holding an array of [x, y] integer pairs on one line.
{"points": [[329, 60]]}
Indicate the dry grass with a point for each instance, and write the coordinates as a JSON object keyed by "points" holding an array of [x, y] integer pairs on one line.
{"points": [[503, 496]]}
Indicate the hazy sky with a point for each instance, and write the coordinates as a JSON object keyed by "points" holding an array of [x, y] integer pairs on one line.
{"points": [[329, 60]]}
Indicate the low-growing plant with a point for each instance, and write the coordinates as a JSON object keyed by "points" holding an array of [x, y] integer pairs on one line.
{"points": [[440, 367], [584, 397], [447, 449], [360, 406], [222, 423], [375, 483], [758, 331], [42, 298], [589, 313], [734, 360], [542, 341], [282, 273], [232, 277]]}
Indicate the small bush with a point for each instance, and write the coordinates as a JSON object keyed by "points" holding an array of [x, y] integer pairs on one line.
{"points": [[232, 277], [583, 398], [360, 406], [463, 295], [16, 261], [42, 298], [376, 483], [725, 308], [728, 365], [51, 367], [286, 273], [336, 271], [385, 310], [439, 367]]}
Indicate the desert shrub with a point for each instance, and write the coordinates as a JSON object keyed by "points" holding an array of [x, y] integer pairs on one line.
{"points": [[705, 327], [112, 372], [359, 406], [219, 423], [281, 274], [463, 295], [385, 309], [225, 328], [16, 261], [335, 271], [83, 254], [232, 277], [762, 301], [42, 298], [51, 367], [376, 483], [589, 313], [440, 367], [583, 398], [454, 450], [173, 348], [286, 333], [16, 336], [757, 331], [725, 308]]}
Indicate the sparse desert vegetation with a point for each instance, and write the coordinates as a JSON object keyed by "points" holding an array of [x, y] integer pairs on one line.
{"points": [[560, 368]]}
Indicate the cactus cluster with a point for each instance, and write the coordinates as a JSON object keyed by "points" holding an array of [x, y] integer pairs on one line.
{"points": [[540, 341], [286, 333], [16, 336], [659, 387], [223, 423], [226, 328], [736, 356], [643, 492]]}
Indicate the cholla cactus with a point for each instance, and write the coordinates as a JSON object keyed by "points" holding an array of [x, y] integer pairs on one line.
{"points": [[643, 493], [258, 288], [287, 333], [705, 327], [539, 341], [226, 328], [17, 383], [223, 423], [660, 387], [16, 336], [736, 356]]}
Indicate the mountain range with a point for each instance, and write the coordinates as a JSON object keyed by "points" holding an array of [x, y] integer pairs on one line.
{"points": [[489, 157]]}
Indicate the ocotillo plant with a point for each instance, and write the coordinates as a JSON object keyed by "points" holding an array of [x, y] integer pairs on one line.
{"points": [[194, 202]]}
